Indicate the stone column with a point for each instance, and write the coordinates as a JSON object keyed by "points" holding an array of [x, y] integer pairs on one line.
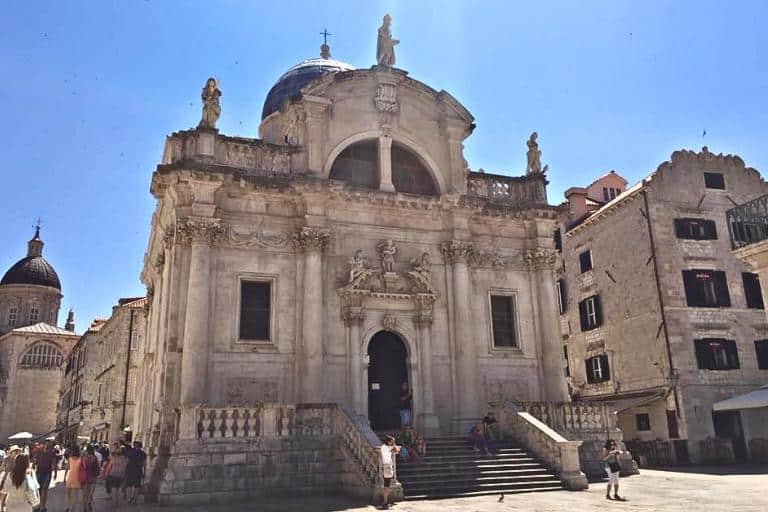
{"points": [[385, 162], [312, 242], [353, 317], [200, 234], [457, 254], [427, 418], [541, 263]]}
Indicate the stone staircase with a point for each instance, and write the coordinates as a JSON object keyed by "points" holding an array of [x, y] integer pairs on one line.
{"points": [[451, 469]]}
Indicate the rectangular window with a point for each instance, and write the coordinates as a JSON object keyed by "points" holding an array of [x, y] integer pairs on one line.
{"points": [[706, 288], [590, 313], [567, 363], [716, 354], [255, 304], [503, 320], [562, 299], [585, 261], [558, 237], [642, 422], [761, 350], [605, 194], [696, 229], [752, 291], [33, 312], [12, 313], [714, 180], [597, 369]]}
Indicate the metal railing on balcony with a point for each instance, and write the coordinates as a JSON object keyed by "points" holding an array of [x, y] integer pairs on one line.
{"points": [[748, 223]]}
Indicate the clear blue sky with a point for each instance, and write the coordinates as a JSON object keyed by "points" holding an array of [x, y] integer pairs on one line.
{"points": [[91, 89]]}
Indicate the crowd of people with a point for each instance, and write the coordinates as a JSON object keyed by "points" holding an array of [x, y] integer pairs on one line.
{"points": [[27, 473]]}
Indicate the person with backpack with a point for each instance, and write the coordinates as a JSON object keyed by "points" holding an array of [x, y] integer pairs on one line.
{"points": [[89, 473]]}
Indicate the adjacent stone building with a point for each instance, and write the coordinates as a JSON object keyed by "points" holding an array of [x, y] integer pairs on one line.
{"points": [[32, 348], [658, 316]]}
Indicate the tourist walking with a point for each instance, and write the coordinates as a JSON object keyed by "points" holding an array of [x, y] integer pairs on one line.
{"points": [[406, 399], [134, 472], [7, 468], [46, 466], [72, 487], [387, 452], [114, 473], [612, 467], [21, 487], [89, 473]]}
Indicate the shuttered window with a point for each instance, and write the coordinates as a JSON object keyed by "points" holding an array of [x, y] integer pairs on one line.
{"points": [[597, 369], [255, 303], [761, 350], [752, 292], [590, 313], [503, 320], [706, 288], [696, 229], [716, 354]]}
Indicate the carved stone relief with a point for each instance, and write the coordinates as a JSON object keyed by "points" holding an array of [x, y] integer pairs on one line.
{"points": [[245, 390], [386, 98], [198, 231], [308, 239], [256, 238]]}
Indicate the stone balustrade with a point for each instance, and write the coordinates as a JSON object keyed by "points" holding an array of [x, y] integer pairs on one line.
{"points": [[572, 416], [558, 454], [235, 452], [519, 190]]}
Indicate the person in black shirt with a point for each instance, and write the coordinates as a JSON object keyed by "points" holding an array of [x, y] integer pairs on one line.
{"points": [[134, 472], [406, 397], [491, 427]]}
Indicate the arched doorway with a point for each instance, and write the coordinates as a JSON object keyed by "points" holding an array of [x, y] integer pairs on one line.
{"points": [[387, 370]]}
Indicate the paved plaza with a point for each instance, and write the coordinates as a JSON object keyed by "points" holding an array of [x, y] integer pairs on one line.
{"points": [[694, 489]]}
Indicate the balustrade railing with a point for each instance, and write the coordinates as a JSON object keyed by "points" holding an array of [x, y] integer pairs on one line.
{"points": [[507, 188], [571, 416], [748, 223]]}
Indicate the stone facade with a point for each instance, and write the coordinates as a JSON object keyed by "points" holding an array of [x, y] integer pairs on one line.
{"points": [[647, 332]]}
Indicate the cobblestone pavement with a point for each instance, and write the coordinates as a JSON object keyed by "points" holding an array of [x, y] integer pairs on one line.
{"points": [[692, 490]]}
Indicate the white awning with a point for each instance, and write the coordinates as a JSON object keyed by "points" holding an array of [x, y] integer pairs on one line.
{"points": [[752, 400]]}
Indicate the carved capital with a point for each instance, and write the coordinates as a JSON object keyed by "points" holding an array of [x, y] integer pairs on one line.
{"points": [[540, 258], [353, 315], [457, 251], [423, 318], [194, 231], [311, 239], [169, 235]]}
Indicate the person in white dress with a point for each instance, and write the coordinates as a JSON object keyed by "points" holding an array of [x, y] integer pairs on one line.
{"points": [[21, 486]]}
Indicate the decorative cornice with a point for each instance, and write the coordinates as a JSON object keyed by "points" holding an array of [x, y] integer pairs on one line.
{"points": [[457, 251], [311, 239], [353, 315], [198, 231], [423, 318], [496, 260], [256, 238]]}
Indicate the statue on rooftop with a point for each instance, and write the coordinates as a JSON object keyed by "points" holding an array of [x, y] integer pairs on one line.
{"points": [[211, 107], [534, 156], [385, 46]]}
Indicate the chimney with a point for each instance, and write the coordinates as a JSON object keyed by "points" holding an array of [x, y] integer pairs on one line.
{"points": [[577, 199], [70, 325]]}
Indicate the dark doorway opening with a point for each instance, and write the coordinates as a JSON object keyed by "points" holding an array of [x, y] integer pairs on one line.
{"points": [[387, 370], [728, 426]]}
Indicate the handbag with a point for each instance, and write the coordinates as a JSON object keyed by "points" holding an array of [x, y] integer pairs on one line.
{"points": [[388, 471], [31, 493]]}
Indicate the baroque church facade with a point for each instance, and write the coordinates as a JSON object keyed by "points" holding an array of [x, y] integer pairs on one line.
{"points": [[347, 250]]}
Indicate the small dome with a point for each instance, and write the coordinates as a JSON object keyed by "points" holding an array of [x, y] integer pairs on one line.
{"points": [[32, 270], [293, 80]]}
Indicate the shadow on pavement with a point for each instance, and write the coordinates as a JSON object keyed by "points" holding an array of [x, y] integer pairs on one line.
{"points": [[736, 469]]}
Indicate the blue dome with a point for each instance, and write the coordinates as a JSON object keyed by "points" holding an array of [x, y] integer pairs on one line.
{"points": [[290, 84]]}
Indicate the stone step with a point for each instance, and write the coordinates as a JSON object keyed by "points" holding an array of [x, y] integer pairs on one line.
{"points": [[453, 468], [463, 489], [473, 457], [450, 479], [483, 492]]}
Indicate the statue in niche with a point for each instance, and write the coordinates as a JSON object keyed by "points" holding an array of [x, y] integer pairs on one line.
{"points": [[387, 251], [534, 156], [385, 46], [211, 107]]}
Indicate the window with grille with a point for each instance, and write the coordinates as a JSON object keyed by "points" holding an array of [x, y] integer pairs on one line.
{"points": [[590, 313], [33, 313], [706, 288], [696, 229], [761, 351], [585, 261], [42, 355], [503, 321], [255, 305], [752, 292], [12, 314], [716, 354], [597, 369], [714, 180]]}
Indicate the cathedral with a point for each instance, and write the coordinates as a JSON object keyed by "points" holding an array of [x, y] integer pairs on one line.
{"points": [[32, 348], [347, 252]]}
